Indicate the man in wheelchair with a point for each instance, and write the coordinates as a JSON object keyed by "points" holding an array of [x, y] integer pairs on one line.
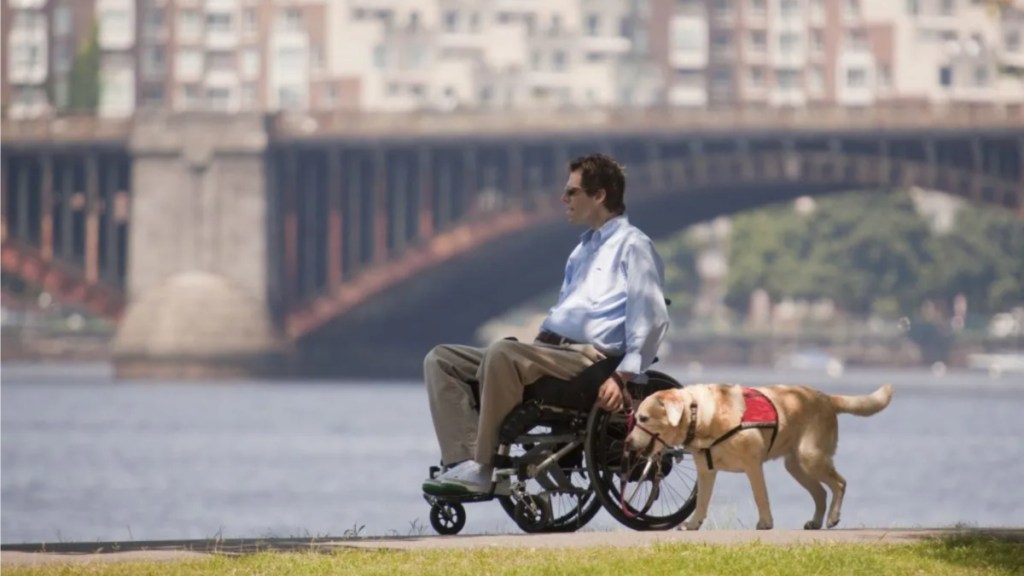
{"points": [[610, 309]]}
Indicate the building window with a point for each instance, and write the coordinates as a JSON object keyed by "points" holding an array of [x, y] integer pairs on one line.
{"points": [[220, 60], [153, 22], [721, 8], [451, 20], [218, 99], [884, 78], [62, 20], [558, 60], [593, 25], [218, 22], [856, 40], [817, 42], [153, 95], [945, 76], [26, 56], [789, 9], [291, 20], [789, 43], [62, 57], [289, 97], [757, 77], [721, 42], [851, 9], [758, 8], [250, 21], [856, 78], [414, 21], [1012, 40], [787, 79], [248, 96], [815, 79], [913, 7], [758, 40], [190, 23], [250, 62], [190, 62], [380, 56], [190, 96], [980, 76], [946, 7], [153, 60]]}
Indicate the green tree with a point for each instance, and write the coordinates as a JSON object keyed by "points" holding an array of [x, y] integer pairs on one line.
{"points": [[85, 75], [865, 251], [982, 257], [682, 285]]}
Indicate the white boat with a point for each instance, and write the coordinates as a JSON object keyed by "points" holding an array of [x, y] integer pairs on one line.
{"points": [[998, 363]]}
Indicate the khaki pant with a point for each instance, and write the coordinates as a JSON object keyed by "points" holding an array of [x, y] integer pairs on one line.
{"points": [[503, 370]]}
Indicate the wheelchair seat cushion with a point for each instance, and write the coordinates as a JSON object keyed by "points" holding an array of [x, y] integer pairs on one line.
{"points": [[580, 393]]}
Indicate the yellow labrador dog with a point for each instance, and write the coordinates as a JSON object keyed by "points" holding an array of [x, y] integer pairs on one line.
{"points": [[736, 429]]}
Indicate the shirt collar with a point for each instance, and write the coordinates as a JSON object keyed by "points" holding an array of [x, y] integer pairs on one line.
{"points": [[605, 232]]}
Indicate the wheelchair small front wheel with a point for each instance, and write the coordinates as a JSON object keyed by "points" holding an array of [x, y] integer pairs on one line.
{"points": [[447, 518]]}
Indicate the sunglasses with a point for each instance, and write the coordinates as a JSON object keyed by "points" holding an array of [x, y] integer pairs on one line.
{"points": [[570, 192]]}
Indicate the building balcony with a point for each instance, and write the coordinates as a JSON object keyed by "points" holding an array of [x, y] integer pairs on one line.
{"points": [[26, 4], [606, 44], [222, 40], [116, 39], [27, 73], [688, 59]]}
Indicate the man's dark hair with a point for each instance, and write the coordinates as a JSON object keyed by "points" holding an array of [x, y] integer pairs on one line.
{"points": [[601, 172]]}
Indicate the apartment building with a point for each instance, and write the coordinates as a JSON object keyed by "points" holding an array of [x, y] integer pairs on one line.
{"points": [[26, 51], [397, 55], [441, 54]]}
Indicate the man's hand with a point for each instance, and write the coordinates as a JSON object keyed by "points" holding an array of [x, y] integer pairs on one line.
{"points": [[610, 395]]}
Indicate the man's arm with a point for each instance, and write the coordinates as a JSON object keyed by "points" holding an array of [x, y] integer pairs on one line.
{"points": [[646, 312]]}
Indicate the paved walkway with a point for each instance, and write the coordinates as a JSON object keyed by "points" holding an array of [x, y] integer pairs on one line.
{"points": [[173, 550]]}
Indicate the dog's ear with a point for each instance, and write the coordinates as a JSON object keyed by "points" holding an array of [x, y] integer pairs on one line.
{"points": [[673, 409]]}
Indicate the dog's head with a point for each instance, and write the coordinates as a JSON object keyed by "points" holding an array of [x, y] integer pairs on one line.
{"points": [[661, 420]]}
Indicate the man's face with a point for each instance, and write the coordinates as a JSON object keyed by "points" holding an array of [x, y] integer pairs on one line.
{"points": [[580, 208]]}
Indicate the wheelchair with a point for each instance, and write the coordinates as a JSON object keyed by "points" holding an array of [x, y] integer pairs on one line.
{"points": [[565, 459]]}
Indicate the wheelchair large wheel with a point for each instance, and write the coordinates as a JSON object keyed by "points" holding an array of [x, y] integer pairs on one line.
{"points": [[639, 494], [559, 500]]}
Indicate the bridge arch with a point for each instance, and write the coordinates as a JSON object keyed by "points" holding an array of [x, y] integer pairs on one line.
{"points": [[388, 332]]}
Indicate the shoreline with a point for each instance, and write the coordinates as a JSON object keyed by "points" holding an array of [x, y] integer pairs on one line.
{"points": [[40, 553]]}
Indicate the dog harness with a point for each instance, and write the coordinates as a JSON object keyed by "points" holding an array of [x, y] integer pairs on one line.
{"points": [[759, 412]]}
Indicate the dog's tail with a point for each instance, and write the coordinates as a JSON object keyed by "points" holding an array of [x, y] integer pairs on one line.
{"points": [[864, 405]]}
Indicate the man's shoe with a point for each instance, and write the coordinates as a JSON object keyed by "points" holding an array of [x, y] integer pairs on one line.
{"points": [[434, 486], [471, 478]]}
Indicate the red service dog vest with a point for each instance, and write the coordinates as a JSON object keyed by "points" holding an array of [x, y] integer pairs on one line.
{"points": [[758, 412]]}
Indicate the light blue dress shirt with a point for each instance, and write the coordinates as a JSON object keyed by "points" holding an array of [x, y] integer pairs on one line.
{"points": [[612, 295]]}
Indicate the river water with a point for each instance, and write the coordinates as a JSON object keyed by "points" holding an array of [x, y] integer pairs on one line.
{"points": [[88, 458]]}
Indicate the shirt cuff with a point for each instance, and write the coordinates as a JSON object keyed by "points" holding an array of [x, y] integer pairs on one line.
{"points": [[631, 363]]}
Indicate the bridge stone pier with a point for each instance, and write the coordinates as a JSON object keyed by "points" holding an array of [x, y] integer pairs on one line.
{"points": [[197, 281]]}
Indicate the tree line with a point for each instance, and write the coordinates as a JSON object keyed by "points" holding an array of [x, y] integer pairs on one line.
{"points": [[871, 253]]}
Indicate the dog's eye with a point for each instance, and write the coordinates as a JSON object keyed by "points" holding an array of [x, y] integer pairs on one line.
{"points": [[643, 419]]}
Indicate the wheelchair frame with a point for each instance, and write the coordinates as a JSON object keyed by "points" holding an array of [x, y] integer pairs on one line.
{"points": [[581, 456]]}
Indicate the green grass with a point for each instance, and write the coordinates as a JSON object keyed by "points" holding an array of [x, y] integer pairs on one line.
{"points": [[948, 557]]}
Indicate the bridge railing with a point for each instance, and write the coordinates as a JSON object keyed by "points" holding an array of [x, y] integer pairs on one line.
{"points": [[483, 123], [885, 117]]}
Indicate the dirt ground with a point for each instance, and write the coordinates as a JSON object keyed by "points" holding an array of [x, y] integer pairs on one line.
{"points": [[173, 550]]}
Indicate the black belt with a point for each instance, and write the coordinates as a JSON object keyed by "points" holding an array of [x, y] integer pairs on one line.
{"points": [[548, 337]]}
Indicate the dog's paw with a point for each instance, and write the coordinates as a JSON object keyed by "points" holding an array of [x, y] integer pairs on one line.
{"points": [[692, 525], [812, 525], [764, 524], [833, 520]]}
